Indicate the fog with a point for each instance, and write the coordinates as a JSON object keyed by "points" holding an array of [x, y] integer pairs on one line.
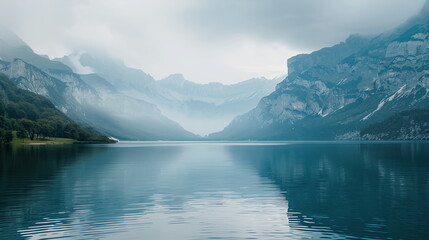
{"points": [[205, 40]]}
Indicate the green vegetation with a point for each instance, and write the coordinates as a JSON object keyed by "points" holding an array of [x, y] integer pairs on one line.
{"points": [[5, 136], [44, 140], [33, 118], [406, 125]]}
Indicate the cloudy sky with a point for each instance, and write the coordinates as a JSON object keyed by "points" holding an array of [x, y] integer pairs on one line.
{"points": [[206, 40]]}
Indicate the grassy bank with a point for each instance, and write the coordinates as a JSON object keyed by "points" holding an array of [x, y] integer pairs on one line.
{"points": [[28, 141], [54, 140]]}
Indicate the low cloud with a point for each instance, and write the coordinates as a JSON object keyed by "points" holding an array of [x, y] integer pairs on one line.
{"points": [[206, 40], [304, 24]]}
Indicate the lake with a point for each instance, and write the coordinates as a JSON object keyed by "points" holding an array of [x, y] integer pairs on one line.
{"points": [[216, 190]]}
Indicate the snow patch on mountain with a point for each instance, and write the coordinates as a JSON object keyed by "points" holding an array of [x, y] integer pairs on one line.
{"points": [[383, 102]]}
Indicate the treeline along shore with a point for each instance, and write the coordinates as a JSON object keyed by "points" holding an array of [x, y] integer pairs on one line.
{"points": [[26, 117]]}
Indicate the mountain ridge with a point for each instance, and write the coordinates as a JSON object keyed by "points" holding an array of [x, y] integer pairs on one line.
{"points": [[105, 109], [199, 108], [334, 92], [30, 114]]}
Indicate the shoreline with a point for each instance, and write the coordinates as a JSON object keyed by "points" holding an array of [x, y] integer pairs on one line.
{"points": [[55, 141]]}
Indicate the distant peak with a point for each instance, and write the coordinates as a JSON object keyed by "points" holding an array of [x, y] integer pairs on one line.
{"points": [[176, 77], [74, 62]]}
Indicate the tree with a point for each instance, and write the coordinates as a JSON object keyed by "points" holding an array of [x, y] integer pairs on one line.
{"points": [[46, 128], [29, 126], [2, 107], [21, 133], [32, 115], [2, 134], [8, 137], [14, 111], [29, 110]]}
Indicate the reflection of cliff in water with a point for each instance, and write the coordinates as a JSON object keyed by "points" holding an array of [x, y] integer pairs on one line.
{"points": [[352, 189]]}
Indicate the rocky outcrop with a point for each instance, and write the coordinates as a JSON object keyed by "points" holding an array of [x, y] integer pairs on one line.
{"points": [[335, 92], [104, 109]]}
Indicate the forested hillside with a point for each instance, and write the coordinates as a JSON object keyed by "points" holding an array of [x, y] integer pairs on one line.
{"points": [[32, 115], [407, 125]]}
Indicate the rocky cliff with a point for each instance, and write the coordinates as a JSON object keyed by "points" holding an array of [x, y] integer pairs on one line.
{"points": [[335, 92], [97, 104]]}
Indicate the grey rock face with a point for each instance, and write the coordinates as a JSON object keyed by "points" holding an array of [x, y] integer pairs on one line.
{"points": [[105, 109], [336, 91]]}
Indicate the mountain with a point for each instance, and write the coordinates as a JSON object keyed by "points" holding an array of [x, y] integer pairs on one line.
{"points": [[207, 108], [112, 70], [407, 125], [30, 114], [336, 92], [82, 98], [199, 108], [12, 47]]}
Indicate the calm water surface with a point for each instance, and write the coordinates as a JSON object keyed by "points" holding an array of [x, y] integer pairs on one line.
{"points": [[151, 190]]}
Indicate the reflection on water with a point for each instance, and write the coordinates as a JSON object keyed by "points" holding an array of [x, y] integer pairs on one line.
{"points": [[215, 190], [361, 190]]}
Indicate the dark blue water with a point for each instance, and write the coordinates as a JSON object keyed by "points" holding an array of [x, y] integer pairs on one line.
{"points": [[215, 191]]}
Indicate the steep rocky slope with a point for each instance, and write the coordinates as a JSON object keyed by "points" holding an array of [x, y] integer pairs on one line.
{"points": [[30, 114], [103, 108], [200, 108], [335, 92]]}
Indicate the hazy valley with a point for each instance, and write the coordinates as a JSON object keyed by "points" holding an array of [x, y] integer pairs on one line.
{"points": [[214, 119], [333, 93]]}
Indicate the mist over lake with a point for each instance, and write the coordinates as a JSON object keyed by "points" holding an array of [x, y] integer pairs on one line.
{"points": [[214, 119]]}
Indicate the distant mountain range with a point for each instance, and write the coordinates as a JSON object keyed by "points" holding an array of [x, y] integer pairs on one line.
{"points": [[105, 109], [337, 92], [199, 108], [127, 103], [344, 92]]}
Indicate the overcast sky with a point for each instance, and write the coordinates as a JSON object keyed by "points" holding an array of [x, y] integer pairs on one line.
{"points": [[206, 40]]}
